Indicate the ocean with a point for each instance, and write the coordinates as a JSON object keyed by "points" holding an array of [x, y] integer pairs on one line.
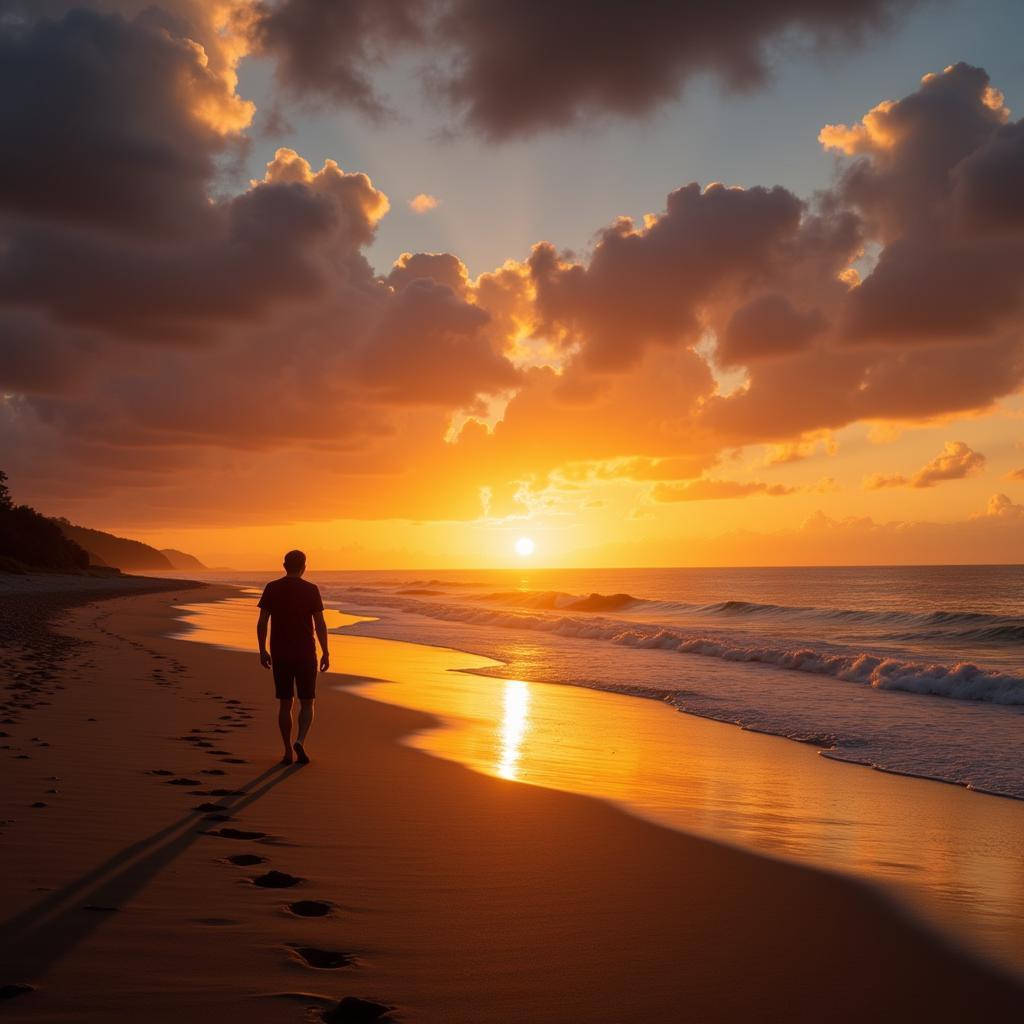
{"points": [[916, 670]]}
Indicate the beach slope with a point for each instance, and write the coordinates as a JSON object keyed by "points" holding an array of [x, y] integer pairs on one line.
{"points": [[159, 865]]}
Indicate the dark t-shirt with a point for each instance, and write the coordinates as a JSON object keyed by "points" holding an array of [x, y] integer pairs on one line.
{"points": [[291, 602]]}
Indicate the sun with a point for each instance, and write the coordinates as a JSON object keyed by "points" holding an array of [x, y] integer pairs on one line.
{"points": [[524, 547]]}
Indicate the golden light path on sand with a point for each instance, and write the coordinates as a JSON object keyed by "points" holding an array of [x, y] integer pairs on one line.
{"points": [[956, 857]]}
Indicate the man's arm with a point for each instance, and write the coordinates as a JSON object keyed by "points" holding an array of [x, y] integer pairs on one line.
{"points": [[321, 635], [261, 636]]}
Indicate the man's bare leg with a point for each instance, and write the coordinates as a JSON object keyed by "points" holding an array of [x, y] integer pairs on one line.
{"points": [[306, 708], [284, 721]]}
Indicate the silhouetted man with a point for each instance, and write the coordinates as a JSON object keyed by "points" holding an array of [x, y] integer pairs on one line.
{"points": [[293, 608]]}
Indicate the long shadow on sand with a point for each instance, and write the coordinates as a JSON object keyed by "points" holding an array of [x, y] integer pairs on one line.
{"points": [[44, 933]]}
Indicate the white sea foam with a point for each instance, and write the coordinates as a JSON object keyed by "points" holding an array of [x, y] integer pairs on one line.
{"points": [[916, 670], [960, 681]]}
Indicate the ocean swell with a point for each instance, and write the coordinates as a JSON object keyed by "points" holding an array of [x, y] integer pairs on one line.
{"points": [[959, 681]]}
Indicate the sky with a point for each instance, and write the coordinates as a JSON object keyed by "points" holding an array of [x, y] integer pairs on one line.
{"points": [[400, 282]]}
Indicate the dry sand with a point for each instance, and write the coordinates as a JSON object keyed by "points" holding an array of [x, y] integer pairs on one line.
{"points": [[450, 895]]}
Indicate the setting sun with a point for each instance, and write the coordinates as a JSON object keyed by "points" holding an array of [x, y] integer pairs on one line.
{"points": [[449, 510]]}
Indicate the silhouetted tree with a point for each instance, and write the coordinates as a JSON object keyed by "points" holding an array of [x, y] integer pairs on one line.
{"points": [[29, 540]]}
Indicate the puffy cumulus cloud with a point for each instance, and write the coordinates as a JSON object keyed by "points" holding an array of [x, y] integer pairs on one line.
{"points": [[936, 326], [932, 178], [908, 148], [283, 239], [517, 68], [716, 490], [423, 203], [1001, 507], [956, 461], [439, 267], [647, 285]]}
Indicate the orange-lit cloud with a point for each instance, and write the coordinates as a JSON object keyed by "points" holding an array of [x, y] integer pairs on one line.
{"points": [[715, 490], [955, 462], [163, 336], [423, 203]]}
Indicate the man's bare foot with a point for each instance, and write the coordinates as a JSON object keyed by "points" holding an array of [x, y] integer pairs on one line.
{"points": [[287, 759], [300, 753]]}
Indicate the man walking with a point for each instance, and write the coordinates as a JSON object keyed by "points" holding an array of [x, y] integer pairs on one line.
{"points": [[293, 608]]}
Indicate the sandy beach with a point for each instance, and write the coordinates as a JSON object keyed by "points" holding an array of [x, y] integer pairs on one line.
{"points": [[158, 864]]}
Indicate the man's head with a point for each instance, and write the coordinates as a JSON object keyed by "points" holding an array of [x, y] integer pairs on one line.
{"points": [[295, 563]]}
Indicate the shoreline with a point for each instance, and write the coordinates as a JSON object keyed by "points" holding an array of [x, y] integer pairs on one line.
{"points": [[457, 897], [756, 792]]}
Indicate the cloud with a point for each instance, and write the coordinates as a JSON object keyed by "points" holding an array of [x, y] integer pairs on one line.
{"points": [[989, 537], [955, 462], [1000, 507], [423, 203], [164, 332], [930, 176], [111, 123], [802, 448], [715, 490], [646, 285], [767, 326], [331, 48], [515, 69]]}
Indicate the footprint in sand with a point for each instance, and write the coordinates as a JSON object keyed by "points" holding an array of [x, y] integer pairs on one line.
{"points": [[209, 807], [310, 908], [353, 1010], [235, 833], [222, 792], [234, 760], [183, 782], [323, 959], [212, 771], [276, 880], [246, 860], [159, 771], [12, 991]]}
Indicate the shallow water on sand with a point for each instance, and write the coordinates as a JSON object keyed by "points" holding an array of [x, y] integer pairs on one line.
{"points": [[956, 857], [912, 669]]}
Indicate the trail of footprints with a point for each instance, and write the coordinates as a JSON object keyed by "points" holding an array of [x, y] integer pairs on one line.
{"points": [[349, 1010], [34, 673]]}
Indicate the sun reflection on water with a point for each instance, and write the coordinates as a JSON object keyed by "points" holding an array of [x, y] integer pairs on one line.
{"points": [[514, 722]]}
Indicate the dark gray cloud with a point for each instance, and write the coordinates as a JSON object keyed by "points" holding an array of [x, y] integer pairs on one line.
{"points": [[332, 47], [521, 67]]}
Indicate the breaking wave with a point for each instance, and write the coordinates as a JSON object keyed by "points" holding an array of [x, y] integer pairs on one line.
{"points": [[960, 681]]}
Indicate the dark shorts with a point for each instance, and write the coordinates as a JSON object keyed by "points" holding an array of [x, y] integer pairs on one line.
{"points": [[293, 677]]}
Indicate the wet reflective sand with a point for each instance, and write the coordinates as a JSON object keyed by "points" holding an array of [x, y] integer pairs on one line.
{"points": [[957, 857]]}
